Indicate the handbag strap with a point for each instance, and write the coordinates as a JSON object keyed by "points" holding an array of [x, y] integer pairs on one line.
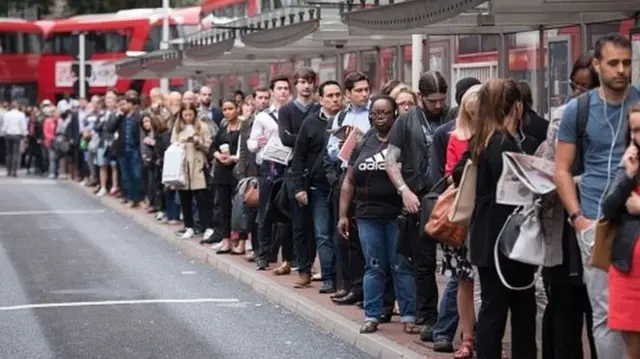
{"points": [[496, 259]]}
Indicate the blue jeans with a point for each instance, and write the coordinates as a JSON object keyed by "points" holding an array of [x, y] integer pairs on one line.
{"points": [[447, 323], [322, 212], [171, 205], [131, 169], [379, 239]]}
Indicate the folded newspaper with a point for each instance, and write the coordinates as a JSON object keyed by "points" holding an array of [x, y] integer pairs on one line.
{"points": [[275, 151], [525, 178]]}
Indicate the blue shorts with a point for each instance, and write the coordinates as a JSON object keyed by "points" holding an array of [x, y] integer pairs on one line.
{"points": [[102, 161]]}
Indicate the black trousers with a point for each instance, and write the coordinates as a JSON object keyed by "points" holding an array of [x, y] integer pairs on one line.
{"points": [[12, 151], [223, 205], [303, 241], [423, 256], [563, 322], [271, 236], [497, 302], [349, 257], [203, 204]]}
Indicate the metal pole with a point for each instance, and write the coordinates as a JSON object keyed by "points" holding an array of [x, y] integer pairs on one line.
{"points": [[81, 66], [164, 45], [416, 60]]}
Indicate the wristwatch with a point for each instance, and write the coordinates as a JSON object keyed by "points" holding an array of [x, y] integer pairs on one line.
{"points": [[572, 218], [401, 189]]}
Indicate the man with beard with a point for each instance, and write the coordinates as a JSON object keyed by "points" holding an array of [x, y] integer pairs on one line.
{"points": [[410, 142], [212, 113], [600, 148]]}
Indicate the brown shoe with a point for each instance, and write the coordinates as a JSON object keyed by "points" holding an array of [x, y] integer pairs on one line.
{"points": [[284, 269], [303, 281]]}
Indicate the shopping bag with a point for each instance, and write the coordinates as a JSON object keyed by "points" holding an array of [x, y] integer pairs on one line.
{"points": [[173, 173], [603, 244]]}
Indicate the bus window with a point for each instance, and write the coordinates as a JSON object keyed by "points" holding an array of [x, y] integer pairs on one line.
{"points": [[155, 37], [102, 41], [9, 42]]}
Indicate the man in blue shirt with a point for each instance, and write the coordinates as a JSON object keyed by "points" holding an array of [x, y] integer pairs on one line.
{"points": [[602, 151]]}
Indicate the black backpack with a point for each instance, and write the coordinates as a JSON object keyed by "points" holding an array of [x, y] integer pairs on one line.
{"points": [[582, 140]]}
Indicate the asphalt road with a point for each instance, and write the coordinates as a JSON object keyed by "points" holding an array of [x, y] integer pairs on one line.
{"points": [[80, 281]]}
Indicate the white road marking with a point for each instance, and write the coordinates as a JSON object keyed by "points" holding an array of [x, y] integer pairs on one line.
{"points": [[118, 302], [187, 272], [54, 212], [22, 182]]}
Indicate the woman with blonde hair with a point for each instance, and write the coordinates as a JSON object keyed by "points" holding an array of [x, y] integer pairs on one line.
{"points": [[193, 135], [454, 262]]}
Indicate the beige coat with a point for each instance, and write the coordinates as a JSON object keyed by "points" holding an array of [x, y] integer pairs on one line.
{"points": [[195, 156]]}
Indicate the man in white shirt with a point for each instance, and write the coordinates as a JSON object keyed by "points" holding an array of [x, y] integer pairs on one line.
{"points": [[14, 126], [265, 127]]}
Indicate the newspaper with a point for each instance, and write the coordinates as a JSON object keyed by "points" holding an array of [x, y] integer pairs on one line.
{"points": [[275, 151], [350, 144], [523, 177]]}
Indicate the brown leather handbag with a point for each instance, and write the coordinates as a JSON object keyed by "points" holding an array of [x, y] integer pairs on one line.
{"points": [[440, 227], [603, 244], [251, 195]]}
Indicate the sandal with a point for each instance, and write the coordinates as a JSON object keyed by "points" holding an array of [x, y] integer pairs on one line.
{"points": [[465, 351], [369, 327], [411, 328]]}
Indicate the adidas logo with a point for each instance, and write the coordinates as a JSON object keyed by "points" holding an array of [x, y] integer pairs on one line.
{"points": [[375, 162]]}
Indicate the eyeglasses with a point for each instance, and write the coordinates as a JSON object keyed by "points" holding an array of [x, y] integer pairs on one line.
{"points": [[382, 114]]}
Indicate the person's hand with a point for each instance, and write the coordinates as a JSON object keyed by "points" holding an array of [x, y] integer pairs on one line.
{"points": [[262, 141], [582, 224], [633, 204], [343, 227], [410, 201], [149, 141], [196, 141], [302, 198], [630, 161]]}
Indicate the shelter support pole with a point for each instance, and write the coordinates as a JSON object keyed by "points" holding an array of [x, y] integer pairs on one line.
{"points": [[417, 51], [540, 66], [584, 38], [164, 45], [503, 56], [359, 59], [380, 75], [190, 84], [398, 72], [82, 76], [339, 67]]}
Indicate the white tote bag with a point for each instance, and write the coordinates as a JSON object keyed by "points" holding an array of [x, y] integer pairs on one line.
{"points": [[173, 167]]}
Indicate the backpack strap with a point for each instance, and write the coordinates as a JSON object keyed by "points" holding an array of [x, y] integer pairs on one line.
{"points": [[582, 118]]}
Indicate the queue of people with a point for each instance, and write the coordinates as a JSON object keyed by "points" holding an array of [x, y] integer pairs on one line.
{"points": [[300, 171]]}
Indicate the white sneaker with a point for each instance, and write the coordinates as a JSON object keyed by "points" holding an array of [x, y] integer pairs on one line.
{"points": [[188, 234], [101, 192], [160, 216], [52, 176], [207, 234]]}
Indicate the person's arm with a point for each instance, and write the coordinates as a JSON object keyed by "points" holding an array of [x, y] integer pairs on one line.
{"points": [[256, 131], [614, 202], [285, 128], [113, 123], [565, 157], [298, 162], [204, 142], [396, 138], [174, 134], [346, 193], [333, 148], [439, 153]]}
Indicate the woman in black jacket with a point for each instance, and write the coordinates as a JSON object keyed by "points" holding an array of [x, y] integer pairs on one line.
{"points": [[499, 131], [622, 206]]}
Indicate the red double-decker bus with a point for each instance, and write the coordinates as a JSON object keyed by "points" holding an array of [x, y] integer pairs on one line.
{"points": [[110, 36], [20, 50]]}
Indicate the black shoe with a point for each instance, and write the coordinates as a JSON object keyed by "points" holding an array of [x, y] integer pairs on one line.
{"points": [[349, 299], [421, 320], [327, 288], [180, 232], [385, 318], [442, 345], [261, 264], [426, 333]]}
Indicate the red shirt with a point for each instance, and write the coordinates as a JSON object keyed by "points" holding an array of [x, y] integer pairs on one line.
{"points": [[455, 150]]}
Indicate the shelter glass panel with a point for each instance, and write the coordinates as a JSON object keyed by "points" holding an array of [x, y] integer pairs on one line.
{"points": [[325, 68], [349, 64], [597, 30], [370, 68], [406, 66], [523, 63], [389, 64]]}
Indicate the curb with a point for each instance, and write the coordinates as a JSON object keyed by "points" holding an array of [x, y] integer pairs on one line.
{"points": [[345, 329]]}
